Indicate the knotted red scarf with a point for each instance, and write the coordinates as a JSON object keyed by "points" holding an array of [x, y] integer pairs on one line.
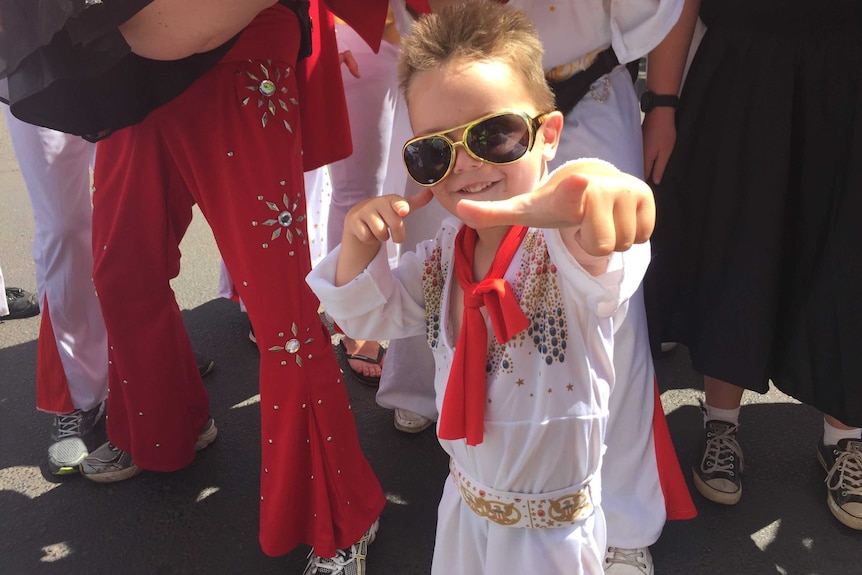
{"points": [[463, 412]]}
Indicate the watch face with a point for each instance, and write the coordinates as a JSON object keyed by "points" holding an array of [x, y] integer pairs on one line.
{"points": [[650, 101], [647, 102]]}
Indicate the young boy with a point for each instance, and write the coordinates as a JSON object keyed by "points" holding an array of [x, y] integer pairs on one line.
{"points": [[522, 413]]}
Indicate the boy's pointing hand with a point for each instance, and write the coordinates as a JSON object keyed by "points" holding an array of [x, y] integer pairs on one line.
{"points": [[610, 210]]}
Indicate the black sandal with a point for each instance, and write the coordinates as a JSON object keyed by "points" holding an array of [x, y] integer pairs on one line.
{"points": [[370, 380]]}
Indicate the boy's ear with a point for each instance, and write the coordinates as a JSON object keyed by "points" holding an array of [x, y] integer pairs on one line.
{"points": [[550, 130]]}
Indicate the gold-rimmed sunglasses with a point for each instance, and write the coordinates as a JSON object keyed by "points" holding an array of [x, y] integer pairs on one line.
{"points": [[499, 138]]}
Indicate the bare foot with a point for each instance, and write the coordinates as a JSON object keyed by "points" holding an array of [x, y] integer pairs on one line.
{"points": [[372, 365]]}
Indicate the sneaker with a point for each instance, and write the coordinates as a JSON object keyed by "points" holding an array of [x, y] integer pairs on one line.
{"points": [[410, 422], [205, 365], [349, 561], [21, 303], [619, 561], [207, 436], [843, 465], [72, 439], [667, 346], [718, 476], [110, 464]]}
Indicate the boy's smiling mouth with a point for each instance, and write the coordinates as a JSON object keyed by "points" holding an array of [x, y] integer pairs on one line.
{"points": [[475, 188]]}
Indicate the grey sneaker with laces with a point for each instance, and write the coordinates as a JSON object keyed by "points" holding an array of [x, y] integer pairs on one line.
{"points": [[718, 476], [619, 561], [350, 561], [110, 464], [72, 439], [843, 465]]}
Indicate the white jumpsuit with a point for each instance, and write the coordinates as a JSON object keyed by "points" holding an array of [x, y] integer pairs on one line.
{"points": [[548, 390]]}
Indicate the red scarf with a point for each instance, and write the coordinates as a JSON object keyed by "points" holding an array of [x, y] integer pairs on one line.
{"points": [[463, 413]]}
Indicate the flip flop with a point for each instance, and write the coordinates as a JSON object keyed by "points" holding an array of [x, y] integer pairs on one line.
{"points": [[371, 380]]}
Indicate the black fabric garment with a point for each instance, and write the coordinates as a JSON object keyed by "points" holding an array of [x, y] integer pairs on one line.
{"points": [[85, 80], [757, 262], [92, 93], [30, 26]]}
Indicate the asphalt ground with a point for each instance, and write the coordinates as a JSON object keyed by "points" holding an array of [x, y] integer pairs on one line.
{"points": [[204, 518]]}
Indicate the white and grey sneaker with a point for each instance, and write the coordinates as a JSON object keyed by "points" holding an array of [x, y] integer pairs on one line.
{"points": [[619, 561], [411, 422], [110, 464], [72, 439], [350, 561], [207, 436]]}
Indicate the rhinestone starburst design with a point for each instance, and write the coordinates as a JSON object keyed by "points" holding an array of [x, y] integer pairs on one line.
{"points": [[292, 345], [284, 218], [271, 95]]}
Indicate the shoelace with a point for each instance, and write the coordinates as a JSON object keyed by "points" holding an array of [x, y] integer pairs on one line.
{"points": [[622, 556], [721, 451], [69, 425], [337, 564], [846, 473]]}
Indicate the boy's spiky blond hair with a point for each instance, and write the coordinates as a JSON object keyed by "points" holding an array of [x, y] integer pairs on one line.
{"points": [[477, 31]]}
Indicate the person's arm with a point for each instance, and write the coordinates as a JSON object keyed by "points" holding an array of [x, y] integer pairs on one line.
{"points": [[175, 29], [665, 65], [370, 223]]}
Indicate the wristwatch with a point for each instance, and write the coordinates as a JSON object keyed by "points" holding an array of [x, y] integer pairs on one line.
{"points": [[650, 100]]}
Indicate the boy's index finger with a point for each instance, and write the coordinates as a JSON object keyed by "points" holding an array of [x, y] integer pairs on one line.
{"points": [[566, 198], [402, 207], [484, 214], [418, 200]]}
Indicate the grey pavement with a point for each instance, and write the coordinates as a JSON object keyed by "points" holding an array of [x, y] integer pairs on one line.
{"points": [[203, 519]]}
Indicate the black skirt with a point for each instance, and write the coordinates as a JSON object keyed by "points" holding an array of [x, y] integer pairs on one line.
{"points": [[757, 262]]}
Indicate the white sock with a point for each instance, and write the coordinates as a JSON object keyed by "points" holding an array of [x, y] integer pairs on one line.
{"points": [[832, 435], [728, 415]]}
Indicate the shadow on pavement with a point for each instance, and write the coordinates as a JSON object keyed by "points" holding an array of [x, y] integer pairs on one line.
{"points": [[204, 518]]}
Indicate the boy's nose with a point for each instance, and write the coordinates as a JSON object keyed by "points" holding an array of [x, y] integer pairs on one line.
{"points": [[464, 161]]}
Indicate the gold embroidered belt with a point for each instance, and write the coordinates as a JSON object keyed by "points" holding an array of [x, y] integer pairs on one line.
{"points": [[561, 508], [580, 64]]}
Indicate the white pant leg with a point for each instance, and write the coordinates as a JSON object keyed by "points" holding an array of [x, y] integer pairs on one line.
{"points": [[4, 307], [318, 196], [371, 101], [56, 170], [631, 493], [396, 173]]}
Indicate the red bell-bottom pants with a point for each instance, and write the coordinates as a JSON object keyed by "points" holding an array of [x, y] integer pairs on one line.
{"points": [[230, 143]]}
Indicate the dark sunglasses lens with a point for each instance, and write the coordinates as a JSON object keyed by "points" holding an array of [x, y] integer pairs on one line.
{"points": [[428, 159], [500, 139]]}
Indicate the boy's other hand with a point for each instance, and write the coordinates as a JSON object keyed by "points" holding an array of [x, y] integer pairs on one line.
{"points": [[381, 218], [370, 223], [610, 210]]}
